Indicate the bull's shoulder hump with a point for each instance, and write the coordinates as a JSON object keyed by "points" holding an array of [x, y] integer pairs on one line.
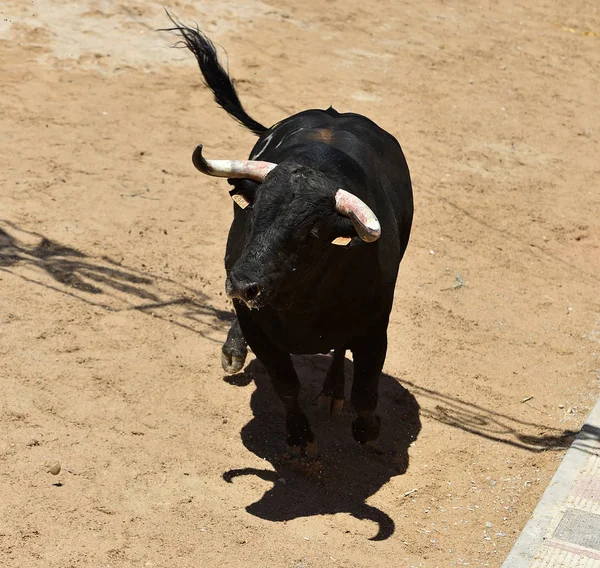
{"points": [[328, 120], [292, 129], [349, 132]]}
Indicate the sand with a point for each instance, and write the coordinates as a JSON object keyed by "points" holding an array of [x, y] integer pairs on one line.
{"points": [[113, 312]]}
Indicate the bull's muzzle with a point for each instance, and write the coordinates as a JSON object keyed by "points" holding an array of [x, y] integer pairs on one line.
{"points": [[247, 291]]}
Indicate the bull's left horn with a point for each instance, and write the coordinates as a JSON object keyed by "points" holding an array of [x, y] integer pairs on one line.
{"points": [[242, 169], [364, 220]]}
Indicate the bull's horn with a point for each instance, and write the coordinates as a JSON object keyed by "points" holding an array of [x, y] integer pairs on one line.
{"points": [[364, 220], [243, 169]]}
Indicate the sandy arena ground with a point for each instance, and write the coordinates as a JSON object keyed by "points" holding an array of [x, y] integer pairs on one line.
{"points": [[112, 307]]}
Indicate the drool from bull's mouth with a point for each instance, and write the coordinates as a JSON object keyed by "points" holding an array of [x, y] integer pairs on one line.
{"points": [[339, 172]]}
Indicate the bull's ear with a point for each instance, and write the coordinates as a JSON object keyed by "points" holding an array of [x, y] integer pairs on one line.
{"points": [[240, 200], [243, 192], [345, 232]]}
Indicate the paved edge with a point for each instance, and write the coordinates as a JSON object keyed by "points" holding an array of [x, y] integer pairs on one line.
{"points": [[550, 509]]}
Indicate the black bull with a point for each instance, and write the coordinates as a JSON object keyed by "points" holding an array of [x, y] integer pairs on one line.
{"points": [[294, 289]]}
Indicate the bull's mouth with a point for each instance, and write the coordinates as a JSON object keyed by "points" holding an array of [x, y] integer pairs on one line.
{"points": [[252, 304]]}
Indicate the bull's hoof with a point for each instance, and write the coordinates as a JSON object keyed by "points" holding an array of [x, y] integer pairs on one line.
{"points": [[309, 450], [233, 360], [330, 406], [366, 427]]}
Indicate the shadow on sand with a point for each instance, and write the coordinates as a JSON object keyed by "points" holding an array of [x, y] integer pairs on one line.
{"points": [[347, 473], [107, 284]]}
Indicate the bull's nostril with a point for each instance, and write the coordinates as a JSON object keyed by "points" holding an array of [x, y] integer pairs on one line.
{"points": [[252, 292]]}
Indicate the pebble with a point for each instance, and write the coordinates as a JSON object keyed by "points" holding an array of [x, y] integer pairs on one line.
{"points": [[54, 469]]}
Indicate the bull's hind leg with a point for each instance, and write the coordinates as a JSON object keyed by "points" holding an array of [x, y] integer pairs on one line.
{"points": [[331, 400], [369, 356], [234, 350], [285, 383]]}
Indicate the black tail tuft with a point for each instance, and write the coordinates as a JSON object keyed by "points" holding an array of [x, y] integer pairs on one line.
{"points": [[215, 77]]}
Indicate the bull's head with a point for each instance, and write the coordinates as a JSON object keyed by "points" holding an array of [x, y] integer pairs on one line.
{"points": [[296, 211]]}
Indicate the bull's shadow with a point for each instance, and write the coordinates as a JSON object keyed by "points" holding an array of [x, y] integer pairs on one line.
{"points": [[346, 474]]}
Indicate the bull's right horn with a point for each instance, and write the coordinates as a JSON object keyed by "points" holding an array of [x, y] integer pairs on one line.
{"points": [[242, 169], [364, 220]]}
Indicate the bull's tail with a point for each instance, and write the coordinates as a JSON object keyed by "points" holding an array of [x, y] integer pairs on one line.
{"points": [[215, 77]]}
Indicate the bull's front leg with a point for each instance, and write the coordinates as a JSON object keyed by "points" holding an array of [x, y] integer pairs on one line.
{"points": [[369, 356], [234, 350], [285, 382]]}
